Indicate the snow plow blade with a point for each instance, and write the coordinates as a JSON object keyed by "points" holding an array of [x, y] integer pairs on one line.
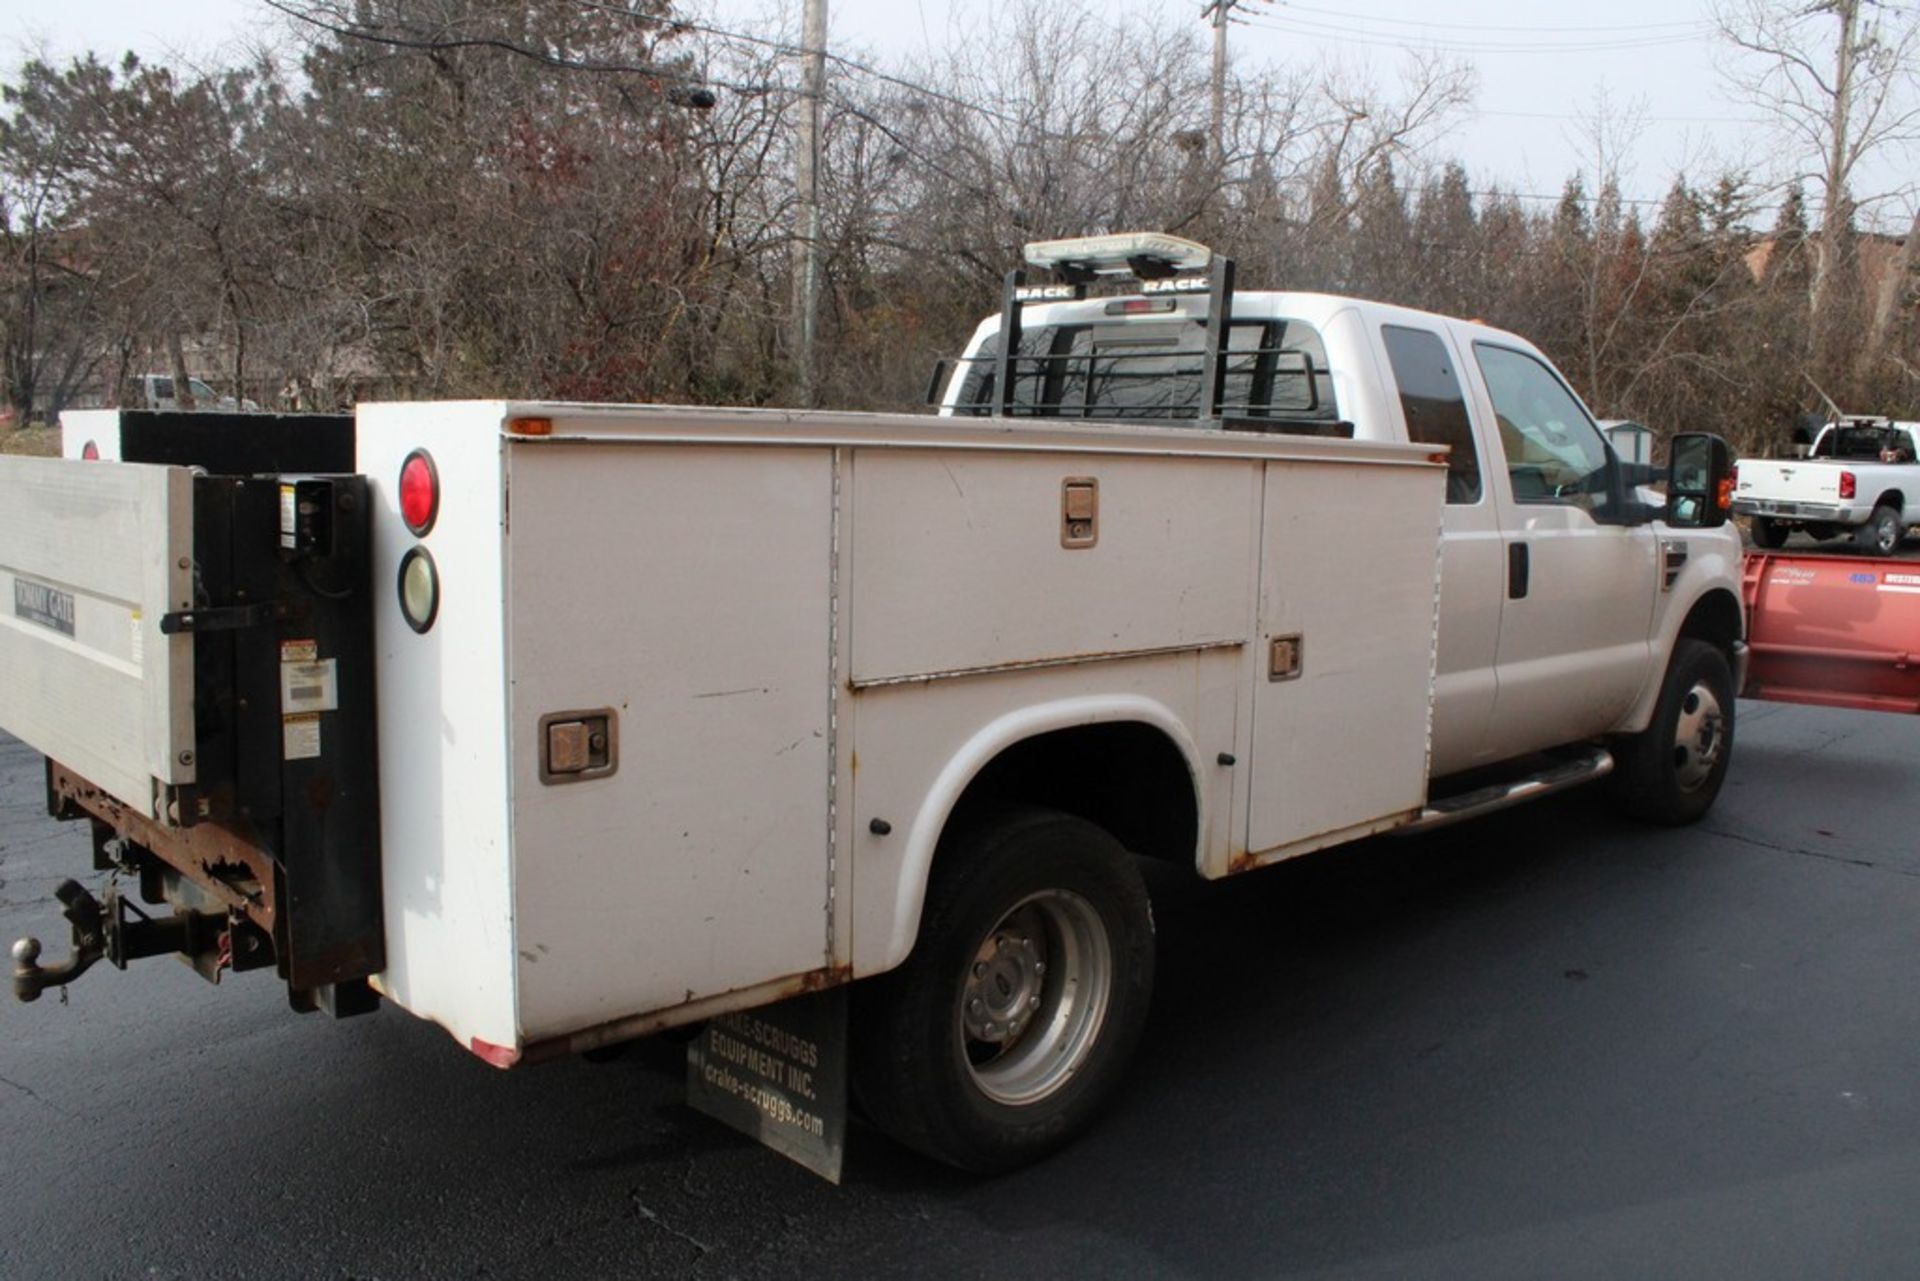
{"points": [[1837, 631]]}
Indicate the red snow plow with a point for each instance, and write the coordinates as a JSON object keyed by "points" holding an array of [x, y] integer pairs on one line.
{"points": [[1839, 631]]}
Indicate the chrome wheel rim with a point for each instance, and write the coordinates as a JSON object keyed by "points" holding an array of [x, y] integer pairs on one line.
{"points": [[1887, 537], [1036, 993], [1699, 738]]}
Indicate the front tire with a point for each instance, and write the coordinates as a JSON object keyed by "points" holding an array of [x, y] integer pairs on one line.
{"points": [[1671, 772], [1882, 533], [1010, 1025]]}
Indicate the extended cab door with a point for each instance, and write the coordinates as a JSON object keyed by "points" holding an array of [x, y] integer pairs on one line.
{"points": [[1425, 368], [1574, 649]]}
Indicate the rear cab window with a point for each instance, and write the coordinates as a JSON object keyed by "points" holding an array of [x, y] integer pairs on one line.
{"points": [[1156, 371], [1434, 407], [1864, 443]]}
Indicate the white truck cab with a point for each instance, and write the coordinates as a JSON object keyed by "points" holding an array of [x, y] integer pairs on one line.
{"points": [[1563, 594]]}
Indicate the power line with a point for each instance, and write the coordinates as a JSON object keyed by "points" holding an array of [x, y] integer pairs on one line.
{"points": [[788, 48], [1665, 120], [1348, 14], [324, 17], [1650, 201], [1316, 30]]}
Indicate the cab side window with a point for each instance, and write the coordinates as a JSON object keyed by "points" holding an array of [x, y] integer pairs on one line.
{"points": [[1436, 411], [1554, 452]]}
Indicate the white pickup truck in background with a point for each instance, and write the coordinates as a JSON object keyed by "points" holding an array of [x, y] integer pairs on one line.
{"points": [[160, 391], [1859, 479], [562, 724]]}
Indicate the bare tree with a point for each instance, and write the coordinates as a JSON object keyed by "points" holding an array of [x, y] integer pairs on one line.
{"points": [[48, 295], [1841, 79]]}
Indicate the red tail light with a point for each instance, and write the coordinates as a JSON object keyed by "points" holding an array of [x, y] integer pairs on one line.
{"points": [[1849, 484], [419, 492]]}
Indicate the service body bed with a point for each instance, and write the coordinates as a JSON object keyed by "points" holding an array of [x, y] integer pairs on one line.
{"points": [[704, 687], [810, 633]]}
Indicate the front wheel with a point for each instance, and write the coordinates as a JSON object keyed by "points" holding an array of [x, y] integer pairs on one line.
{"points": [[1670, 772], [1768, 535], [1010, 1025], [1882, 533]]}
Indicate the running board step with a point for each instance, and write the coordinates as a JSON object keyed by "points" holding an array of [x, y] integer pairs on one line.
{"points": [[1593, 763]]}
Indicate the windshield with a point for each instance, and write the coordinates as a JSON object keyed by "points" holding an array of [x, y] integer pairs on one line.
{"points": [[1156, 370]]}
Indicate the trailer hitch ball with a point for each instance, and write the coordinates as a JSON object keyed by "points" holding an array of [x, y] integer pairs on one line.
{"points": [[83, 911], [26, 969]]}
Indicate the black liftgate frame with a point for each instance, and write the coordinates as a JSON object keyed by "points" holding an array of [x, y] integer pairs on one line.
{"points": [[280, 835]]}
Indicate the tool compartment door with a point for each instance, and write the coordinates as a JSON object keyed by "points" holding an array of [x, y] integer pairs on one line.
{"points": [[681, 591], [1343, 686], [92, 555]]}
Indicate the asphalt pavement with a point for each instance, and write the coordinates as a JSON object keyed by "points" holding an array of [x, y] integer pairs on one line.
{"points": [[1549, 1044]]}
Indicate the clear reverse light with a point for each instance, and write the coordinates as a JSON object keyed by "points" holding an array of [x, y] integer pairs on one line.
{"points": [[419, 589]]}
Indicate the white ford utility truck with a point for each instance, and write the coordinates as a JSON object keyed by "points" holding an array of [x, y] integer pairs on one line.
{"points": [[1859, 479], [562, 724]]}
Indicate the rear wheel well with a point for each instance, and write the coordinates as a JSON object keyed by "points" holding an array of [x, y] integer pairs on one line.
{"points": [[1892, 498], [1125, 777]]}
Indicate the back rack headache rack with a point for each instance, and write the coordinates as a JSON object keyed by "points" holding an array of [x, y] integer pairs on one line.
{"points": [[1143, 256]]}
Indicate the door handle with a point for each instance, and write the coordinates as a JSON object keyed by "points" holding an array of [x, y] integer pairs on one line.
{"points": [[1518, 567]]}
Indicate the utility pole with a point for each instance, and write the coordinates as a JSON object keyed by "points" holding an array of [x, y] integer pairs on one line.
{"points": [[1835, 214], [806, 181], [1218, 10]]}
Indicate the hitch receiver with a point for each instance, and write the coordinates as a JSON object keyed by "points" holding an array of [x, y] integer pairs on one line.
{"points": [[119, 932]]}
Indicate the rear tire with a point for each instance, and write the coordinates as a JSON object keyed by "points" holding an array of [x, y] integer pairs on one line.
{"points": [[1671, 772], [1768, 535], [1010, 1026], [1882, 533]]}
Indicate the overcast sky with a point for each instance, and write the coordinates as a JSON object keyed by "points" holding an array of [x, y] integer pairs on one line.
{"points": [[1542, 68]]}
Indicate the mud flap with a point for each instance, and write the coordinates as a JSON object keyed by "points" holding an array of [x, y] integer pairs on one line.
{"points": [[779, 1074]]}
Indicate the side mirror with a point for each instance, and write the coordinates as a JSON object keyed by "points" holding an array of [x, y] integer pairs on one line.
{"points": [[1699, 481], [938, 382]]}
